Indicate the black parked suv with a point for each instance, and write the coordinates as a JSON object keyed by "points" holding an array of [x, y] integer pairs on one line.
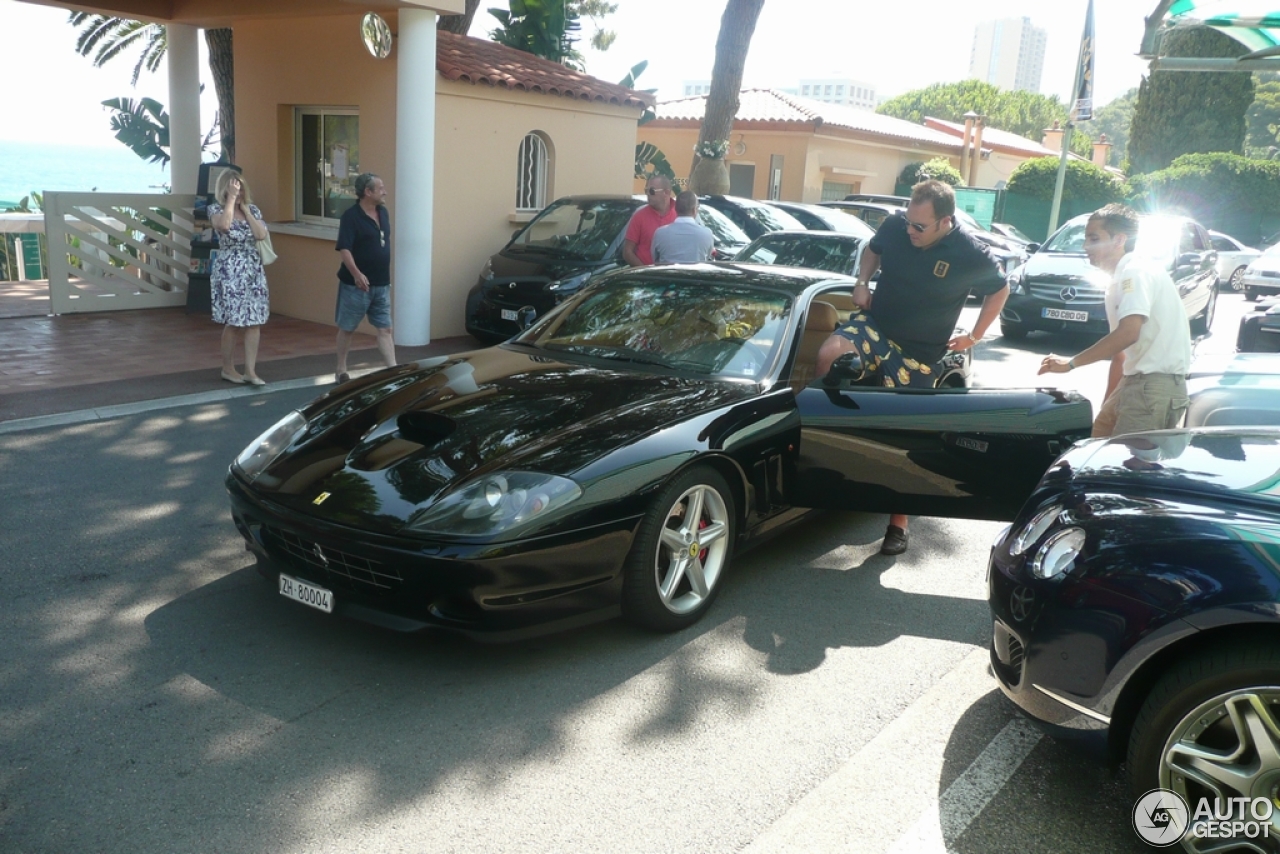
{"points": [[753, 217], [551, 258], [1058, 290]]}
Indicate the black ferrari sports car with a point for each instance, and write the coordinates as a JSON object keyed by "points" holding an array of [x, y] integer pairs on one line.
{"points": [[1136, 606], [613, 457]]}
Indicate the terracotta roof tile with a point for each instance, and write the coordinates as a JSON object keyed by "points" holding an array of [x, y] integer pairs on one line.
{"points": [[480, 61], [994, 138], [769, 106]]}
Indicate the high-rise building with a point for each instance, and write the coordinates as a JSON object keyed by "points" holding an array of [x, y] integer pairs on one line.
{"points": [[852, 93], [1008, 53], [696, 87]]}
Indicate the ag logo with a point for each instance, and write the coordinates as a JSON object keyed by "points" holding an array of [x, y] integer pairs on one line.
{"points": [[940, 269], [1160, 818]]}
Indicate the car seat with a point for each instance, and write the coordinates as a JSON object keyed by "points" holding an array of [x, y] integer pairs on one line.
{"points": [[818, 326]]}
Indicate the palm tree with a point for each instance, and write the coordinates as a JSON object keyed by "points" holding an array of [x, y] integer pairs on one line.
{"points": [[737, 26], [103, 38]]}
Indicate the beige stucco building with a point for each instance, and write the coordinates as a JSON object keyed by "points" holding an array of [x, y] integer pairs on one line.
{"points": [[793, 148], [489, 99]]}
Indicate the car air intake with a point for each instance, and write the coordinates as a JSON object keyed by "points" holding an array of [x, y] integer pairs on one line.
{"points": [[424, 427]]}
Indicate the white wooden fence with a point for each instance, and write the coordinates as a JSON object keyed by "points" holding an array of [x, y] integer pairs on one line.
{"points": [[114, 251]]}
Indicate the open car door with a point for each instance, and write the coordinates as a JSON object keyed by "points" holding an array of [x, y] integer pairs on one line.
{"points": [[968, 453]]}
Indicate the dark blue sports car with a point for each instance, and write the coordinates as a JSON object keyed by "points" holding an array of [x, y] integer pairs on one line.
{"points": [[1136, 605]]}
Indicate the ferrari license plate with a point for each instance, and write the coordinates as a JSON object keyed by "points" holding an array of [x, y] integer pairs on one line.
{"points": [[307, 594], [508, 314], [1064, 314]]}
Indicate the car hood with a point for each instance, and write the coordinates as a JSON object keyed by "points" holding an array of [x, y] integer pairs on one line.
{"points": [[532, 264], [1048, 266], [1229, 463], [409, 435], [1269, 263]]}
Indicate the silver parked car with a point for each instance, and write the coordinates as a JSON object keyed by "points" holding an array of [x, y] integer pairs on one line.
{"points": [[1262, 276], [1233, 258]]}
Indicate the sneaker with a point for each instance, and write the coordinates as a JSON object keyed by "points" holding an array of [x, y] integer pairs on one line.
{"points": [[895, 541]]}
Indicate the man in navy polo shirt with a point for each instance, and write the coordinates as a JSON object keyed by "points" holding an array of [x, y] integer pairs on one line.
{"points": [[364, 279], [928, 266]]}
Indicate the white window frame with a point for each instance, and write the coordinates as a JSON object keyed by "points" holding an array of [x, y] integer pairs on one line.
{"points": [[533, 172], [298, 184]]}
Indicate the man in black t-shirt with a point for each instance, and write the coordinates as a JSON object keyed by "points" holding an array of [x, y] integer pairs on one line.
{"points": [[928, 266], [364, 279]]}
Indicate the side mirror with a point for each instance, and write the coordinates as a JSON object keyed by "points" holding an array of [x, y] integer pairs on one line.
{"points": [[1188, 259], [1033, 248]]}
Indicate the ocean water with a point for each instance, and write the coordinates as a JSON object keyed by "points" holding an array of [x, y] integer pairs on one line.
{"points": [[27, 166]]}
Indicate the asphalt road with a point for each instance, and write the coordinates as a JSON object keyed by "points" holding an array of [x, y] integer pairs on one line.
{"points": [[157, 695]]}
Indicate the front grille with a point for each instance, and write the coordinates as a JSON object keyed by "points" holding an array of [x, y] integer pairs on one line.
{"points": [[1085, 294], [1271, 274], [339, 568]]}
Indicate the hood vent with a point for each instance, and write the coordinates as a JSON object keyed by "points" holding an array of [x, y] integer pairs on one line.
{"points": [[425, 427]]}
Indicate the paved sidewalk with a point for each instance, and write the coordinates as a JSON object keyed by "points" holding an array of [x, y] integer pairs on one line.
{"points": [[51, 365]]}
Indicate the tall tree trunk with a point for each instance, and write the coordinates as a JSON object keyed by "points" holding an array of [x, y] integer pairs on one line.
{"points": [[737, 25], [459, 24], [221, 66]]}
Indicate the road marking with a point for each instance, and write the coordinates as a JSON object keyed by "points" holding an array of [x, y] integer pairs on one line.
{"points": [[889, 789], [969, 795]]}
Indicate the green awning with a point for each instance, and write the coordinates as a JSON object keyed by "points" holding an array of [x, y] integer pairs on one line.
{"points": [[1253, 23]]}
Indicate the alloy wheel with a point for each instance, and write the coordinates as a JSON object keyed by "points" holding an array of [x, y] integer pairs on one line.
{"points": [[1227, 747], [692, 550]]}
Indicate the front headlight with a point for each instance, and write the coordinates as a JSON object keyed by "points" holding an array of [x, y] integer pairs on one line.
{"points": [[1034, 530], [496, 503], [562, 288], [263, 450], [1058, 554], [486, 272], [1016, 281]]}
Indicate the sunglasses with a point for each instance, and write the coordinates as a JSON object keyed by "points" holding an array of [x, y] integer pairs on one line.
{"points": [[653, 191], [920, 229]]}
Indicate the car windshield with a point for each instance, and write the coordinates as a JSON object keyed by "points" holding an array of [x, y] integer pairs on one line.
{"points": [[834, 254], [1014, 232], [575, 229], [690, 326], [774, 219], [1157, 237], [725, 231], [832, 219]]}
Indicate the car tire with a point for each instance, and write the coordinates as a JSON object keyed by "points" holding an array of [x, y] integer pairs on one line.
{"points": [[1237, 277], [664, 587], [1203, 322], [1013, 331], [1211, 703], [1250, 294]]}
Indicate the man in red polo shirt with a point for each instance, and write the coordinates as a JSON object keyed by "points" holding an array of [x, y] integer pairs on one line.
{"points": [[637, 244]]}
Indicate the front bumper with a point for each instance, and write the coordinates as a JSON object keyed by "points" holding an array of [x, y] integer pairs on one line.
{"points": [[1028, 310], [494, 313], [492, 591]]}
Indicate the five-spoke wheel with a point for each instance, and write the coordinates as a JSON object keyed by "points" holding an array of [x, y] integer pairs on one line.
{"points": [[682, 550]]}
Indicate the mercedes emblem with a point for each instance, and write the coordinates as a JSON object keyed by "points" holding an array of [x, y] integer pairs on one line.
{"points": [[1068, 294]]}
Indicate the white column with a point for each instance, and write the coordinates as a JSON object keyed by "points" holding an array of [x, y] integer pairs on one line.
{"points": [[414, 192], [183, 55]]}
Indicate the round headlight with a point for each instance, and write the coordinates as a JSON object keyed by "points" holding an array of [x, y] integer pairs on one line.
{"points": [[263, 450], [1058, 554], [1034, 530]]}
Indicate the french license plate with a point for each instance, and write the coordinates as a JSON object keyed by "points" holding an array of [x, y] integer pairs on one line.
{"points": [[508, 314], [1064, 314], [307, 594]]}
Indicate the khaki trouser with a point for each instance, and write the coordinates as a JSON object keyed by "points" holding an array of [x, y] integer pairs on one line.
{"points": [[1143, 402]]}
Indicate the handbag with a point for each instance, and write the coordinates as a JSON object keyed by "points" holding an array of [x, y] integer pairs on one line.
{"points": [[266, 250]]}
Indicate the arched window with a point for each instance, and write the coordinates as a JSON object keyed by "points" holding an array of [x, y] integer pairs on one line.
{"points": [[534, 169]]}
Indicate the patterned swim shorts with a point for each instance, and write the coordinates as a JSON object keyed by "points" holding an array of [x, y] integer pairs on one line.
{"points": [[883, 357]]}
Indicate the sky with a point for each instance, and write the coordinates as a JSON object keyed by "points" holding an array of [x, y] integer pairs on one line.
{"points": [[51, 94]]}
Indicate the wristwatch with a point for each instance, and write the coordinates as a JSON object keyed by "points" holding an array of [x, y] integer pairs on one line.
{"points": [[1071, 364]]}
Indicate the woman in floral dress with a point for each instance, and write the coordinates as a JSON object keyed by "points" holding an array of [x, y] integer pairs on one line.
{"points": [[238, 282]]}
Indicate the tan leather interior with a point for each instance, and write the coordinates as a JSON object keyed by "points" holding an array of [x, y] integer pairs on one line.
{"points": [[818, 326]]}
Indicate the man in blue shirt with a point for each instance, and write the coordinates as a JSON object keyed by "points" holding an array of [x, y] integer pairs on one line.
{"points": [[364, 279], [928, 266]]}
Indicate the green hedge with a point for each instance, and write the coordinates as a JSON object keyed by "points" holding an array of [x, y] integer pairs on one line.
{"points": [[1209, 186], [1084, 182]]}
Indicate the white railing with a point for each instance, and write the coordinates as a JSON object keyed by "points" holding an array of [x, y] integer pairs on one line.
{"points": [[114, 251]]}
